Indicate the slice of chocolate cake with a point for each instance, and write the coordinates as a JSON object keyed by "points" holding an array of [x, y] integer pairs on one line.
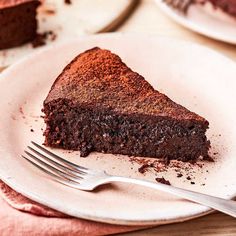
{"points": [[18, 22], [99, 104]]}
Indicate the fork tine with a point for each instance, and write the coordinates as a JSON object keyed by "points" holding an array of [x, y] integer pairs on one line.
{"points": [[66, 182], [58, 165], [52, 169], [68, 163]]}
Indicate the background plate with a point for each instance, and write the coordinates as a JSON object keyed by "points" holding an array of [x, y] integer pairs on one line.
{"points": [[71, 21], [204, 20], [196, 77]]}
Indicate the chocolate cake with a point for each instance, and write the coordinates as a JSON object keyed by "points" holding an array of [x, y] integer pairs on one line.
{"points": [[18, 22], [228, 6], [99, 104]]}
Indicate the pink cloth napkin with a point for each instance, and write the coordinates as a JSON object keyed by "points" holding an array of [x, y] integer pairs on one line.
{"points": [[22, 216]]}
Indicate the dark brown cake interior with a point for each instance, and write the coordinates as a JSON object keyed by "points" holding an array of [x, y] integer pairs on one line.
{"points": [[18, 23], [99, 104]]}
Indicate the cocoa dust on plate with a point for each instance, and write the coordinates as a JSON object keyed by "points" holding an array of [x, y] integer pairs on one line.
{"points": [[159, 166]]}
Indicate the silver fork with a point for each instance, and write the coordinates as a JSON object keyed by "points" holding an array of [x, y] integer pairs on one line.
{"points": [[180, 5], [83, 178]]}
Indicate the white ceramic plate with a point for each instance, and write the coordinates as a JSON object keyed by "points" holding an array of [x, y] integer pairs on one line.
{"points": [[204, 19], [71, 21], [192, 75]]}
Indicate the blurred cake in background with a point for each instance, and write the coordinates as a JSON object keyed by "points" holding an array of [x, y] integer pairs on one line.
{"points": [[228, 6], [18, 23]]}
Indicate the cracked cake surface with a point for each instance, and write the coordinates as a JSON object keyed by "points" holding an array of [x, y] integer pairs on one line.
{"points": [[99, 104]]}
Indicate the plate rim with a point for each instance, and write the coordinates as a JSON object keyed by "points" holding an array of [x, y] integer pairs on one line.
{"points": [[193, 26], [114, 22], [115, 221], [13, 183]]}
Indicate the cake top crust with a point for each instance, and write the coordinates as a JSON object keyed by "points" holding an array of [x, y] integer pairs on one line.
{"points": [[99, 79], [12, 3]]}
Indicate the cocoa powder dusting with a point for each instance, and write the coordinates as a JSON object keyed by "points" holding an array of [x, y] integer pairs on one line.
{"points": [[67, 2], [22, 112], [146, 164], [40, 39], [179, 175], [143, 168], [49, 11], [163, 181], [159, 165]]}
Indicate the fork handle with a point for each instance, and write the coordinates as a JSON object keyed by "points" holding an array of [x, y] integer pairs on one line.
{"points": [[226, 206]]}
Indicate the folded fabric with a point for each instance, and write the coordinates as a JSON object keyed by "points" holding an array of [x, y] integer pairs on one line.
{"points": [[22, 216]]}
